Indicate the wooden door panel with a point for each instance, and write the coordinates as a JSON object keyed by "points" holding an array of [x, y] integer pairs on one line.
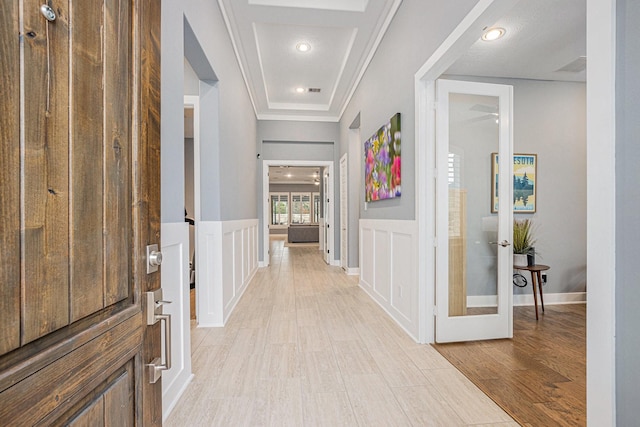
{"points": [[117, 149], [45, 176], [93, 416], [109, 404], [48, 393], [9, 179], [112, 408], [80, 165], [86, 153]]}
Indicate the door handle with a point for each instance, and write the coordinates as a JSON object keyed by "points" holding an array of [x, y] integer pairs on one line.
{"points": [[504, 243], [154, 315], [154, 258]]}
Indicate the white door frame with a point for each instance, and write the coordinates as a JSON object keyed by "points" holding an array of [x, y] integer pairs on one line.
{"points": [[266, 214], [344, 213], [193, 101], [601, 69]]}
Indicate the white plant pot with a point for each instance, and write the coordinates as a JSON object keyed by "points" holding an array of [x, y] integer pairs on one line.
{"points": [[520, 260]]}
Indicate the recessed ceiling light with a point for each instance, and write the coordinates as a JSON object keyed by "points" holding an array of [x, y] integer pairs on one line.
{"points": [[303, 47], [493, 34], [300, 89]]}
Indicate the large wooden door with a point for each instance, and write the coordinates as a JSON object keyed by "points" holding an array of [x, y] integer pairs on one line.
{"points": [[79, 169]]}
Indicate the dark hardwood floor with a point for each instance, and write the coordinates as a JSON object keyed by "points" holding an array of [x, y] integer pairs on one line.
{"points": [[539, 376]]}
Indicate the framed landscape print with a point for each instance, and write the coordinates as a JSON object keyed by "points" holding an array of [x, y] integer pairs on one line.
{"points": [[524, 182]]}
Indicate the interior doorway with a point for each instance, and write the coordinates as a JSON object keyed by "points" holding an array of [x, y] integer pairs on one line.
{"points": [[451, 49], [325, 221], [192, 188]]}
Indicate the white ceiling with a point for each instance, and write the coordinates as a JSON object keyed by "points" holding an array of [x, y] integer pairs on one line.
{"points": [[343, 35], [542, 37], [294, 174]]}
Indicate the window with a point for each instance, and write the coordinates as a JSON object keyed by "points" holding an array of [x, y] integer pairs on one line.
{"points": [[454, 167], [279, 209], [316, 207], [300, 208]]}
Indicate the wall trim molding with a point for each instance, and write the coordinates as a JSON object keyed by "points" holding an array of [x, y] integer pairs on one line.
{"points": [[352, 271], [389, 268], [175, 287], [226, 263]]}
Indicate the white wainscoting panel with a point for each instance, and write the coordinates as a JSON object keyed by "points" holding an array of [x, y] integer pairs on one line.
{"points": [[389, 268], [224, 267], [175, 288]]}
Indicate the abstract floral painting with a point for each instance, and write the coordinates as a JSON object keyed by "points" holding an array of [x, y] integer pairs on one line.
{"points": [[382, 162]]}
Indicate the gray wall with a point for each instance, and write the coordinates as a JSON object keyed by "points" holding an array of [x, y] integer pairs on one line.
{"points": [[387, 87], [191, 81], [627, 208], [196, 31], [296, 140], [550, 121]]}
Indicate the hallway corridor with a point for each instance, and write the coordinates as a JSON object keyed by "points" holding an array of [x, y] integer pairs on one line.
{"points": [[306, 346]]}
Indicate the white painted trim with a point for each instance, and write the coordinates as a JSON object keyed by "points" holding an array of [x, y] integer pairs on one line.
{"points": [[298, 118], [389, 268], [232, 38], [175, 287], [601, 50], [484, 14], [227, 263], [344, 212], [352, 271], [168, 407], [601, 212], [527, 299], [372, 52], [266, 201]]}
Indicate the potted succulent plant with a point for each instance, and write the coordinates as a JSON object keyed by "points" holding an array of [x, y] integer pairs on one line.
{"points": [[522, 241]]}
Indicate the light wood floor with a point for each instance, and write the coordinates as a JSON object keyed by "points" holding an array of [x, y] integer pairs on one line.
{"points": [[539, 377], [307, 347]]}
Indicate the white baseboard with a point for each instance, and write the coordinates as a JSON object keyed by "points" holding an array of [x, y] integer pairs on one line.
{"points": [[167, 407], [335, 262], [353, 271], [552, 299], [527, 299]]}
